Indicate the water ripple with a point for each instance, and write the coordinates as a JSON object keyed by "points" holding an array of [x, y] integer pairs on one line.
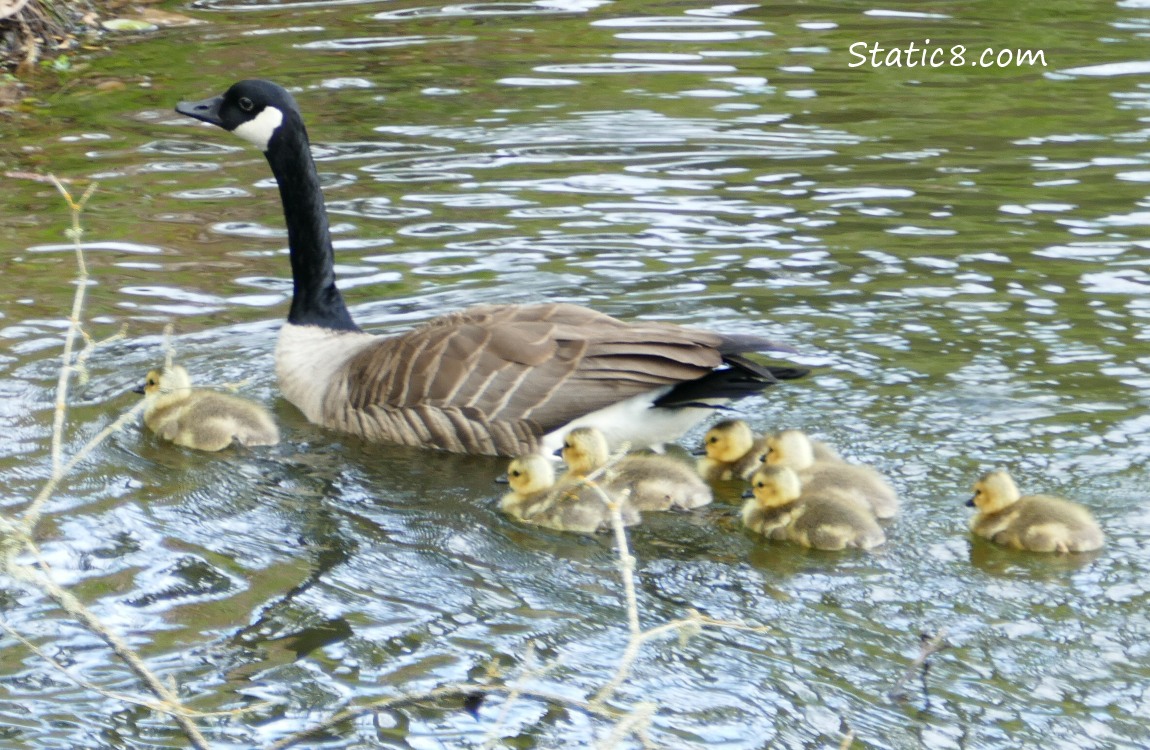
{"points": [[379, 42], [478, 10]]}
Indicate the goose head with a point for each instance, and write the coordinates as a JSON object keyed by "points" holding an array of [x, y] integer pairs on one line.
{"points": [[254, 110], [584, 450], [728, 441], [994, 491], [790, 448], [529, 474], [775, 485], [166, 381]]}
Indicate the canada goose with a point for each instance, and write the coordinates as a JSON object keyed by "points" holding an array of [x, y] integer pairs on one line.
{"points": [[1039, 523], [654, 482], [201, 419], [570, 505], [493, 379], [781, 508], [794, 449]]}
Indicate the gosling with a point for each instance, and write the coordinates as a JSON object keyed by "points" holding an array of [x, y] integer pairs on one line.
{"points": [[200, 419], [654, 482], [781, 509], [794, 449], [1039, 523], [732, 451], [571, 505]]}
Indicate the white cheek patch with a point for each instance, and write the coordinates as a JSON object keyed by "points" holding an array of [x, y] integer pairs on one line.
{"points": [[260, 129]]}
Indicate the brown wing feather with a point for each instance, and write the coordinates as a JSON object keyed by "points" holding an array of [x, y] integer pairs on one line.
{"points": [[511, 363]]}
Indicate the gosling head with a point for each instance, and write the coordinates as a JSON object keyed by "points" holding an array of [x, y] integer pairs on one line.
{"points": [[166, 381], [584, 450], [728, 441], [775, 485], [529, 474], [790, 448], [994, 491], [254, 110]]}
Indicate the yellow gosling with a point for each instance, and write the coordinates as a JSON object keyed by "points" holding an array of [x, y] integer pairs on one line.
{"points": [[570, 505], [733, 451], [654, 482], [202, 419], [794, 449], [1039, 523], [781, 510]]}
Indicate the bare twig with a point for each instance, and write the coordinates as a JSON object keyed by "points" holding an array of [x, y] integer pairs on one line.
{"points": [[21, 535], [123, 697], [74, 607], [75, 233], [32, 513], [635, 723], [626, 559], [928, 645], [446, 691]]}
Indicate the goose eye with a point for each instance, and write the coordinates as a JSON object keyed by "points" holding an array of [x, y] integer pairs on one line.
{"points": [[246, 104]]}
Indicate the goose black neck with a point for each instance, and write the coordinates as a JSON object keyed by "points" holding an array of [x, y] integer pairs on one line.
{"points": [[315, 298]]}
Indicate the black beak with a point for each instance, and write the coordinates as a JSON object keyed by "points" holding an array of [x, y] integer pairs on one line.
{"points": [[207, 110], [558, 453], [970, 502], [139, 389], [699, 452], [502, 479], [747, 494]]}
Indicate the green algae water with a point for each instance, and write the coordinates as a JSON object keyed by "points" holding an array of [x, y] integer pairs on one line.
{"points": [[961, 249]]}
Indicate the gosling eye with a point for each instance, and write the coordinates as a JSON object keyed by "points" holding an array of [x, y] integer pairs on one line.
{"points": [[713, 439], [515, 473], [246, 104]]}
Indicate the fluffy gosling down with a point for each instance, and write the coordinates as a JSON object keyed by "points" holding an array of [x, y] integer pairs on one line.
{"points": [[655, 482], [201, 419], [794, 449], [570, 505], [780, 509], [1039, 523], [732, 451]]}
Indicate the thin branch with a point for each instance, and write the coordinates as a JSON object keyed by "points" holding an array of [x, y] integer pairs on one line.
{"points": [[635, 723], [928, 645], [31, 515], [75, 233], [74, 607], [459, 690], [694, 622], [123, 697]]}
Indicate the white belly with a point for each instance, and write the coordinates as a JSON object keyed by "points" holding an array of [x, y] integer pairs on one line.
{"points": [[635, 422]]}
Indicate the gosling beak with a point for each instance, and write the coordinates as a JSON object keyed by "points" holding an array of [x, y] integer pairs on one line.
{"points": [[747, 494], [970, 502], [700, 452], [206, 110], [558, 453], [139, 389], [502, 479]]}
